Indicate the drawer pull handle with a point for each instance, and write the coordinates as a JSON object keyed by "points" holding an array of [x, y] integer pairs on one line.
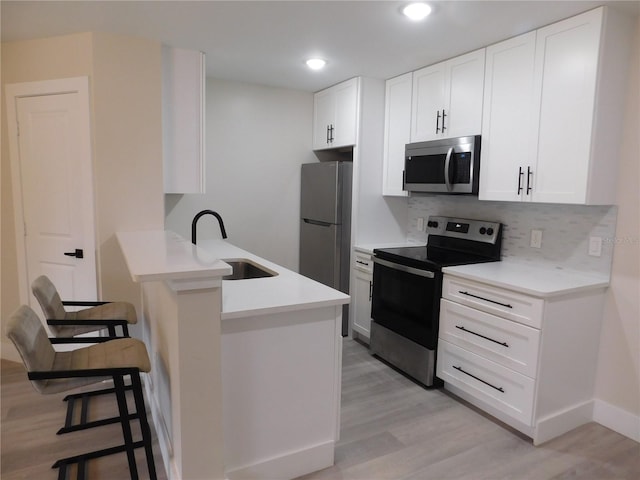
{"points": [[504, 344], [500, 389], [362, 263], [485, 299]]}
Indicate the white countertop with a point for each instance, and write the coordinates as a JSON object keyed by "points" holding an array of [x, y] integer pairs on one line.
{"points": [[538, 281], [153, 255], [257, 296]]}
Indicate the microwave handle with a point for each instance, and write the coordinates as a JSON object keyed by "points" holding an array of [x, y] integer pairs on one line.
{"points": [[447, 162]]}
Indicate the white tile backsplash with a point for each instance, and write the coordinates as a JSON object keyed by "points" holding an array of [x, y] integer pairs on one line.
{"points": [[566, 229]]}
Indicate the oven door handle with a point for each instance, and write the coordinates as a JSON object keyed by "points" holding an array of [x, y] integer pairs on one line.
{"points": [[404, 268]]}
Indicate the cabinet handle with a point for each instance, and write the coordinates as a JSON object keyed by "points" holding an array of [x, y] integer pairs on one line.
{"points": [[438, 121], [362, 263], [520, 173], [504, 344], [443, 117], [485, 299], [327, 134], [529, 175], [370, 290], [500, 389], [331, 130]]}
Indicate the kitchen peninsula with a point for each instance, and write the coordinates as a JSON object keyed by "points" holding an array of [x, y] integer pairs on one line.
{"points": [[245, 379]]}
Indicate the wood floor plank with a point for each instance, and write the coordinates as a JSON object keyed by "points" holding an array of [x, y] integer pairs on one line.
{"points": [[435, 435], [391, 429], [30, 445]]}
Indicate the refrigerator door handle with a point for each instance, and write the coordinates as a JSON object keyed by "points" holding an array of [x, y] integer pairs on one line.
{"points": [[316, 222]]}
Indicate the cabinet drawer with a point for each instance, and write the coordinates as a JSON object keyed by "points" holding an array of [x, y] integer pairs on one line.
{"points": [[508, 343], [500, 387], [363, 262], [504, 303]]}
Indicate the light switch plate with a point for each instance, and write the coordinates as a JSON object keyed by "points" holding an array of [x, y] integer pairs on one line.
{"points": [[420, 224], [536, 238], [595, 246]]}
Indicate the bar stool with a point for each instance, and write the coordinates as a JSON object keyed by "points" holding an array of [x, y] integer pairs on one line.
{"points": [[52, 371], [98, 316]]}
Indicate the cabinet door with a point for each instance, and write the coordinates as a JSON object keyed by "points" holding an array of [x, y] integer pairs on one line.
{"points": [[566, 69], [428, 102], [397, 132], [323, 109], [346, 113], [508, 131], [463, 95], [362, 300], [183, 97]]}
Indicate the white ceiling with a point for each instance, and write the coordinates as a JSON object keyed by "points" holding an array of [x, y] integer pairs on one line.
{"points": [[266, 42]]}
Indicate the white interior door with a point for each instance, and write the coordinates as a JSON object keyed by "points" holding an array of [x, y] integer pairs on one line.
{"points": [[57, 210]]}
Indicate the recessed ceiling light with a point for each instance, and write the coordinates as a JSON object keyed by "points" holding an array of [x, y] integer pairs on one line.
{"points": [[316, 63], [417, 11]]}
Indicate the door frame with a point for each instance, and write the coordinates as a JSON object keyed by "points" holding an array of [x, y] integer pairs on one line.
{"points": [[13, 92]]}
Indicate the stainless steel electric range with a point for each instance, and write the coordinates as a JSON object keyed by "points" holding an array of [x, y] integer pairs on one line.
{"points": [[407, 286]]}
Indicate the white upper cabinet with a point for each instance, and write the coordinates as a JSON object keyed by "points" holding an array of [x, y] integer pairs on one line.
{"points": [[397, 131], [183, 97], [552, 124], [565, 91], [447, 98], [507, 123], [335, 116]]}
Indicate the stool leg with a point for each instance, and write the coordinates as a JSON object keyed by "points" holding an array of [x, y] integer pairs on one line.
{"points": [[126, 426], [144, 423]]}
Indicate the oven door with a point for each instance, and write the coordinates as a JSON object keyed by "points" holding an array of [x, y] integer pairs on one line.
{"points": [[406, 301]]}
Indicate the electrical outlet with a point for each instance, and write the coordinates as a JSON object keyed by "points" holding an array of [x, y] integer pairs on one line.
{"points": [[536, 239], [595, 246], [420, 224]]}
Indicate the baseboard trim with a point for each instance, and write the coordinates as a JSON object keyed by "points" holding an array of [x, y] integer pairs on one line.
{"points": [[619, 420], [561, 422], [292, 465]]}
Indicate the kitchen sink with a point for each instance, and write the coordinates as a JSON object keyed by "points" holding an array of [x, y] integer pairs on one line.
{"points": [[245, 269]]}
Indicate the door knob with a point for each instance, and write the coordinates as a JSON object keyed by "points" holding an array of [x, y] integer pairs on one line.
{"points": [[78, 253]]}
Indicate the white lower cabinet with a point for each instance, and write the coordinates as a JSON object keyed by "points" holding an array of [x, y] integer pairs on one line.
{"points": [[496, 385], [528, 361], [361, 294]]}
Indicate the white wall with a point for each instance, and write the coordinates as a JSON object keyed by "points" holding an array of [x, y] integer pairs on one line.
{"points": [[125, 89], [618, 380], [256, 139]]}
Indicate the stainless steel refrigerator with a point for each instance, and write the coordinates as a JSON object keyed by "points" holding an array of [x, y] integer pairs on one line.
{"points": [[325, 226]]}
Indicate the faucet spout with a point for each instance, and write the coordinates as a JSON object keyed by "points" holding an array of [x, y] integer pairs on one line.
{"points": [[194, 223]]}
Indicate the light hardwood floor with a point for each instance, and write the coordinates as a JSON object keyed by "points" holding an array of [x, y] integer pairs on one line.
{"points": [[30, 445], [391, 429], [395, 429]]}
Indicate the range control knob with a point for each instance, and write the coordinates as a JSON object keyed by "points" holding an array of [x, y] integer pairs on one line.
{"points": [[489, 231], [432, 224], [483, 230]]}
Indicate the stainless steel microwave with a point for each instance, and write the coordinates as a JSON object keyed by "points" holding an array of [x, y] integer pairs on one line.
{"points": [[449, 165]]}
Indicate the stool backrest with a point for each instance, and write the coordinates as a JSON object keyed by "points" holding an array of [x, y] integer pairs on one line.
{"points": [[47, 295], [28, 334]]}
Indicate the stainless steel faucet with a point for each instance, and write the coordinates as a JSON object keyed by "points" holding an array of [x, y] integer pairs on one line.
{"points": [[195, 222]]}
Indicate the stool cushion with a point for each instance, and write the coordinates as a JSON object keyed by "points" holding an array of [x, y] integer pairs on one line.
{"points": [[27, 333], [119, 353]]}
